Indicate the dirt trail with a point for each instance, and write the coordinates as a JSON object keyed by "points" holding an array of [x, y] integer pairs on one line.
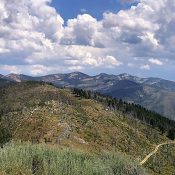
{"points": [[154, 152]]}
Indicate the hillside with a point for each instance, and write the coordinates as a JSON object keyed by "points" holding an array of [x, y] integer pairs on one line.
{"points": [[153, 93], [4, 82], [42, 113], [43, 159], [150, 96]]}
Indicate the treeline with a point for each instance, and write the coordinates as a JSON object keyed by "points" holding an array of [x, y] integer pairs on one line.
{"points": [[155, 120]]}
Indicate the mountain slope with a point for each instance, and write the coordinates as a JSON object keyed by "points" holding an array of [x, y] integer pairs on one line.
{"points": [[153, 93], [155, 151], [40, 159], [42, 113], [60, 112], [3, 81]]}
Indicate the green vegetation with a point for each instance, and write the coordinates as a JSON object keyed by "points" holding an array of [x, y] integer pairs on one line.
{"points": [[4, 82], [87, 122], [151, 118], [163, 162], [30, 159]]}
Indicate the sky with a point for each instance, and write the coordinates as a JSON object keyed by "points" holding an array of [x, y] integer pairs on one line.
{"points": [[39, 37]]}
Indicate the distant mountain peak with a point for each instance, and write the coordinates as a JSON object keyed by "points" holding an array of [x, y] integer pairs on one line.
{"points": [[1, 76], [125, 74], [77, 75], [103, 74], [13, 77]]}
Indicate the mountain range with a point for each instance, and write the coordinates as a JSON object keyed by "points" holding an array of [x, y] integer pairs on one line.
{"points": [[155, 94]]}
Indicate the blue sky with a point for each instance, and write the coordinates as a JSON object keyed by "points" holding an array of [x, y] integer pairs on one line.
{"points": [[71, 8], [91, 36]]}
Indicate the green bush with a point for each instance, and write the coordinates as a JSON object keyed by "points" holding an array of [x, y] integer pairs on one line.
{"points": [[31, 159]]}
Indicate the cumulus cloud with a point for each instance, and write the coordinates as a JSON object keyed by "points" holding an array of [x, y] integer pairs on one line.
{"points": [[155, 61], [83, 30], [33, 37], [27, 27]]}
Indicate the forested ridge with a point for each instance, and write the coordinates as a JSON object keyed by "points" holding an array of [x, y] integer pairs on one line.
{"points": [[155, 120]]}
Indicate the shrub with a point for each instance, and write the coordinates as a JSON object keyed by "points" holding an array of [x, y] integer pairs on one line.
{"points": [[31, 159]]}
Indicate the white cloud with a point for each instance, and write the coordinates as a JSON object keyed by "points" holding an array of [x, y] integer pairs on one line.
{"points": [[38, 69], [83, 30], [110, 60], [10, 69], [150, 39], [155, 61], [145, 67], [34, 39]]}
